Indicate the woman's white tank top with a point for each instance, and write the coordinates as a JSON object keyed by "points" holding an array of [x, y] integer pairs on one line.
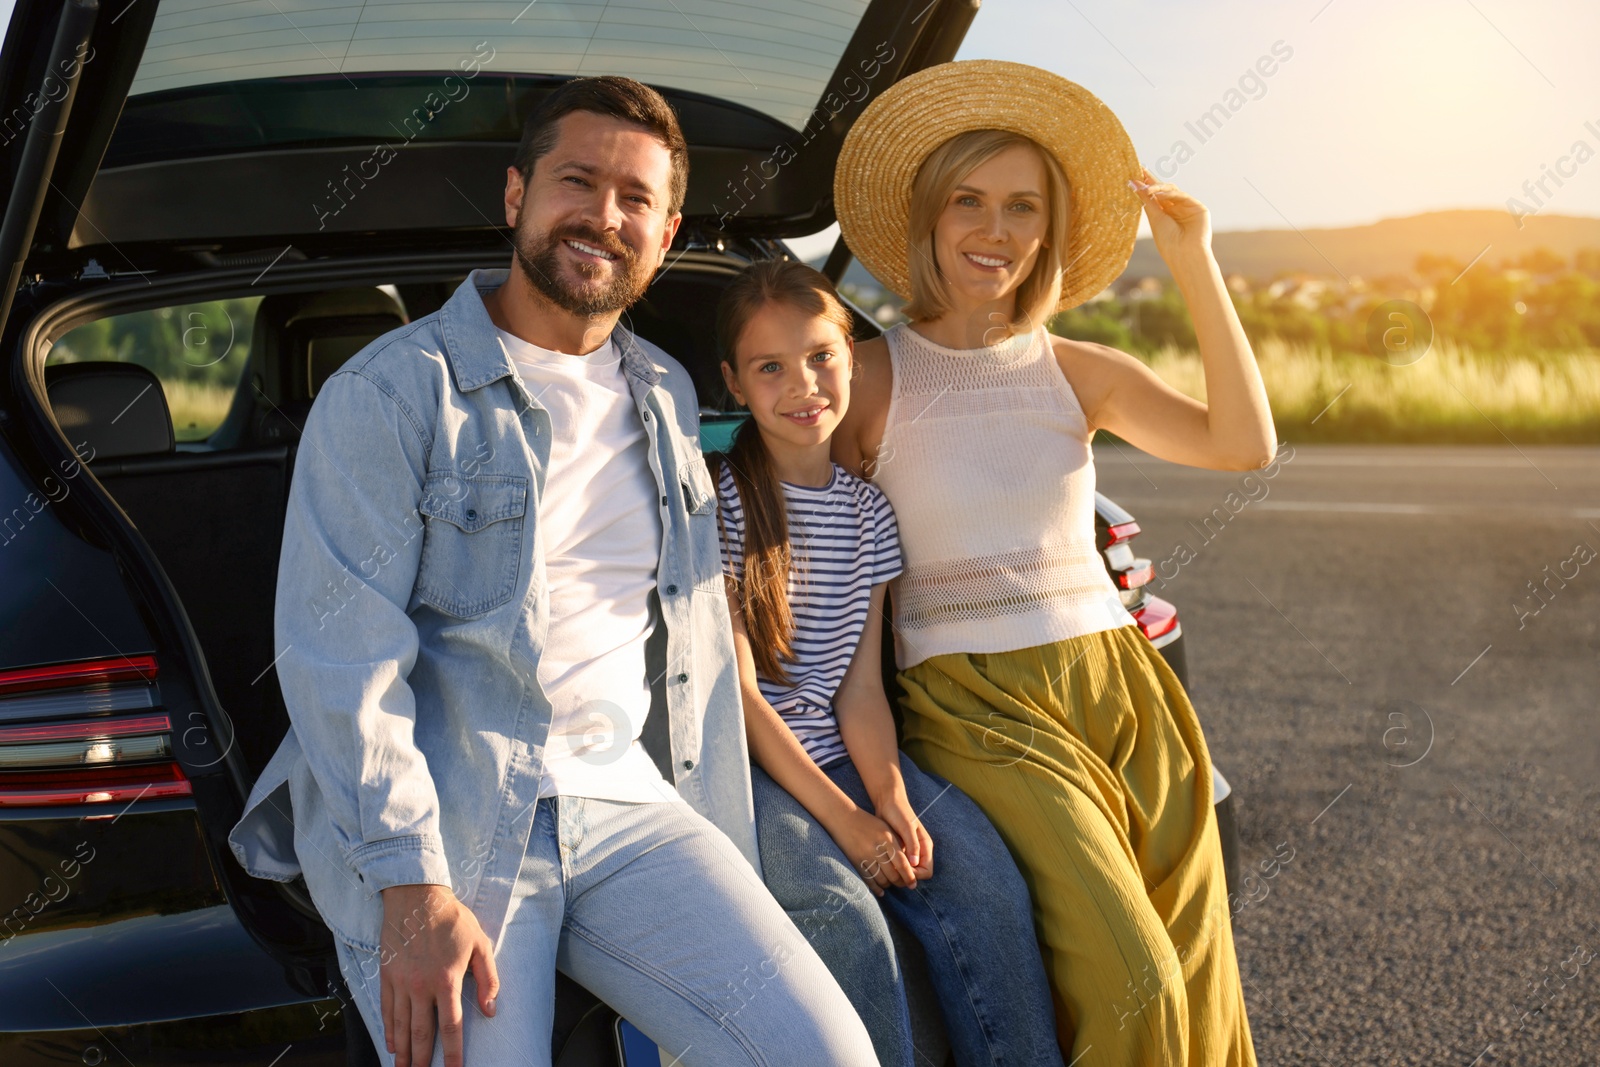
{"points": [[986, 459]]}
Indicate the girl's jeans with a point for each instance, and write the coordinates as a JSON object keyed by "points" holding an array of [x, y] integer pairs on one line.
{"points": [[973, 919]]}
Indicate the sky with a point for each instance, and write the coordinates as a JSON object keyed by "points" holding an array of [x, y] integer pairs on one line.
{"points": [[1374, 108], [1383, 108]]}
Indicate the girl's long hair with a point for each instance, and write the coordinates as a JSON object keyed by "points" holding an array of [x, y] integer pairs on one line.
{"points": [[763, 592]]}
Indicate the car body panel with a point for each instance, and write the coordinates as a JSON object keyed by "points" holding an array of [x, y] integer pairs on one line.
{"points": [[50, 570], [290, 1035]]}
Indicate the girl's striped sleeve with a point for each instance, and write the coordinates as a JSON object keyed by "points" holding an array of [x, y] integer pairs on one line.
{"points": [[886, 558], [732, 527]]}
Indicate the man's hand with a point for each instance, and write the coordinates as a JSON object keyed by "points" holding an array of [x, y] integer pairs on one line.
{"points": [[429, 940]]}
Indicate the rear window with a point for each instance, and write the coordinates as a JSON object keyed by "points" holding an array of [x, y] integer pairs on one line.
{"points": [[198, 351], [773, 56]]}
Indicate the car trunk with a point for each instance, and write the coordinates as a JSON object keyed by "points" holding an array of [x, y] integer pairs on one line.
{"points": [[215, 152], [195, 161], [213, 515]]}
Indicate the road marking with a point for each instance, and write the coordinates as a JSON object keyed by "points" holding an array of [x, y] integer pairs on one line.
{"points": [[1510, 509], [1377, 508], [1344, 505], [1416, 458]]}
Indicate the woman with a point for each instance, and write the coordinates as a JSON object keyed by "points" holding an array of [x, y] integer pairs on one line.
{"points": [[993, 195]]}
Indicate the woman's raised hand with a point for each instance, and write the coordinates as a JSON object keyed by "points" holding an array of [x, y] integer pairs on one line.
{"points": [[1179, 224]]}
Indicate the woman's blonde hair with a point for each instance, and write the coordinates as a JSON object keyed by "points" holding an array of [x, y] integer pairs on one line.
{"points": [[944, 169]]}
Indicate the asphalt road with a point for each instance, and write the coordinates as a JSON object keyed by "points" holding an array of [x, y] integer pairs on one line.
{"points": [[1398, 711]]}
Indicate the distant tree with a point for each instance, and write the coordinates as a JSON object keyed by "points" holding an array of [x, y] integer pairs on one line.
{"points": [[1433, 268], [1478, 310], [1564, 313], [1164, 321], [1542, 261], [1094, 322], [1393, 284]]}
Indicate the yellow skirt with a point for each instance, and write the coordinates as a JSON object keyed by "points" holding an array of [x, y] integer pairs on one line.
{"points": [[1087, 756]]}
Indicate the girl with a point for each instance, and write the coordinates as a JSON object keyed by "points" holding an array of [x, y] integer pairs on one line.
{"points": [[808, 548], [992, 195]]}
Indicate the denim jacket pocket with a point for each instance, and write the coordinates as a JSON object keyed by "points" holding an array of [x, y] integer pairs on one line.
{"points": [[699, 495], [472, 544], [698, 492]]}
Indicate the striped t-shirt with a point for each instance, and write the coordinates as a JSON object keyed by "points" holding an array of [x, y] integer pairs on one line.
{"points": [[843, 540]]}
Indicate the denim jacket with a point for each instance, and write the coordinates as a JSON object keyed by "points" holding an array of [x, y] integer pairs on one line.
{"points": [[412, 608]]}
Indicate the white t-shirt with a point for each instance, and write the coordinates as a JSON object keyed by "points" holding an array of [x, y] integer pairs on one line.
{"points": [[602, 544]]}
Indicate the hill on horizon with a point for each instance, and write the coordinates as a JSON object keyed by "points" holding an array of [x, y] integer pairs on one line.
{"points": [[1385, 247]]}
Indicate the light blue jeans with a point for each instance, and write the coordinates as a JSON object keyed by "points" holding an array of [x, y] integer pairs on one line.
{"points": [[973, 919], [655, 911]]}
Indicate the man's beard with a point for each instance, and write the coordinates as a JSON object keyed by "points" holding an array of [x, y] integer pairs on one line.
{"points": [[539, 256]]}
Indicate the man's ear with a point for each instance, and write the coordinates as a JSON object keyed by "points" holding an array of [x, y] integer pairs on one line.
{"points": [[515, 191], [668, 232]]}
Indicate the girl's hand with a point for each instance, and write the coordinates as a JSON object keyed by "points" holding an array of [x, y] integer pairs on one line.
{"points": [[873, 849], [1179, 224], [914, 839]]}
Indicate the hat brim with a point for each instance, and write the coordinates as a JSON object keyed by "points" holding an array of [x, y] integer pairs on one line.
{"points": [[895, 133]]}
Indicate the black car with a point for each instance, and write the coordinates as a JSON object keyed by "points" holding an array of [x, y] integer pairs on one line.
{"points": [[211, 206]]}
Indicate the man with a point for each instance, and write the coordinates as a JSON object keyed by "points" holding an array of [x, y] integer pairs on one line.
{"points": [[494, 510]]}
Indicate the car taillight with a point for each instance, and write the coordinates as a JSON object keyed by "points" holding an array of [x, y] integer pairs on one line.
{"points": [[49, 789], [1129, 572], [1142, 572], [1121, 532], [90, 743], [89, 759], [80, 673], [1157, 618]]}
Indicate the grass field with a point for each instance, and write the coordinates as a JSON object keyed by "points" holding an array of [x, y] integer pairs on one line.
{"points": [[1450, 396], [197, 408]]}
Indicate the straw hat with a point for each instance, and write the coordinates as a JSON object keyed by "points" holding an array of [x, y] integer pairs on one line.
{"points": [[886, 146]]}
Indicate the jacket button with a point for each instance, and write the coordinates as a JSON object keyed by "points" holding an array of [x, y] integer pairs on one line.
{"points": [[671, 589], [683, 677], [688, 764], [472, 513], [663, 500], [647, 416]]}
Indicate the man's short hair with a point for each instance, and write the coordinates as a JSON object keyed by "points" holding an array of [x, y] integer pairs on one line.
{"points": [[620, 97]]}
